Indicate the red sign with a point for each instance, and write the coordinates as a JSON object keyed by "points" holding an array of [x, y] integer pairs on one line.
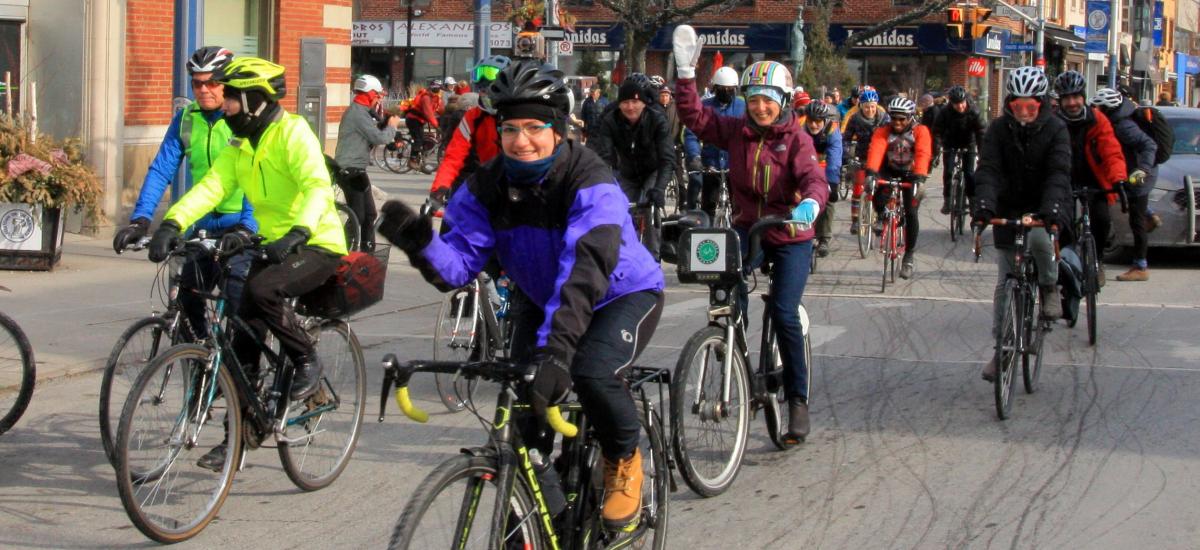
{"points": [[976, 66]]}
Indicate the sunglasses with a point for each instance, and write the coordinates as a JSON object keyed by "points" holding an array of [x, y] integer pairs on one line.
{"points": [[1025, 105], [210, 83], [486, 72], [899, 118]]}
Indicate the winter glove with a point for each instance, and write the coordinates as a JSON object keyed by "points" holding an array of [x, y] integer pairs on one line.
{"points": [[655, 197], [982, 216], [1050, 216], [403, 227], [280, 248], [686, 46], [130, 234], [165, 239], [1137, 177], [235, 240], [694, 165], [438, 197], [551, 383], [806, 212]]}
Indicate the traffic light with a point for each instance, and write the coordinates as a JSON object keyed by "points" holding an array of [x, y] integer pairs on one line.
{"points": [[978, 16], [954, 23]]}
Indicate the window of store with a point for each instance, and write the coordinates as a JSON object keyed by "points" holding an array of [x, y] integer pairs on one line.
{"points": [[10, 63], [242, 26], [910, 74], [439, 63]]}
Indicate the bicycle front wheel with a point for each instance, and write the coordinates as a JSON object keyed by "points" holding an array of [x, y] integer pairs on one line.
{"points": [[1091, 288], [710, 433], [959, 213], [866, 218], [323, 429], [177, 411], [774, 399], [453, 508], [17, 372], [1035, 334], [134, 350], [459, 336], [1008, 349]]}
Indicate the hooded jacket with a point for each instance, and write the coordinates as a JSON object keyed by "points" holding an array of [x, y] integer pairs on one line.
{"points": [[770, 169], [1096, 158], [860, 128], [642, 153], [568, 242], [475, 141], [1025, 169], [1139, 148], [711, 155]]}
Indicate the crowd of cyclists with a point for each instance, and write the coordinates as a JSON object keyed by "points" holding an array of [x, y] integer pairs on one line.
{"points": [[565, 218]]}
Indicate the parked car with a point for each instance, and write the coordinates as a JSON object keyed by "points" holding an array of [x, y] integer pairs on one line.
{"points": [[1174, 197]]}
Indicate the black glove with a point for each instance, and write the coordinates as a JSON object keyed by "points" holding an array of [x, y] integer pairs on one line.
{"points": [[130, 234], [694, 165], [403, 227], [551, 383], [1050, 216], [982, 216], [440, 196], [655, 197], [235, 240], [280, 248], [165, 239]]}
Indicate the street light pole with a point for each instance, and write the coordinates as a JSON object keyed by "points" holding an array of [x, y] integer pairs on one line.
{"points": [[410, 57], [1114, 45], [1041, 35]]}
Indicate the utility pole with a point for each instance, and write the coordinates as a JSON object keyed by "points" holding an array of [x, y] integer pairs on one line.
{"points": [[1114, 43], [552, 21], [1041, 35], [483, 23], [410, 57]]}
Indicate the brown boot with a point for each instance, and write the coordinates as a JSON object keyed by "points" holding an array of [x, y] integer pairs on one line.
{"points": [[622, 492], [989, 370], [1135, 274]]}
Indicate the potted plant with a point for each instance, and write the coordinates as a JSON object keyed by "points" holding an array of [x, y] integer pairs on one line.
{"points": [[39, 178]]}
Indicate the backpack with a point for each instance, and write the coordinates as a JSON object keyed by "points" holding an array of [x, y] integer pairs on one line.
{"points": [[1152, 122]]}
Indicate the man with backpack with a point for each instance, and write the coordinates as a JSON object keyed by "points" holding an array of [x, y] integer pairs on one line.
{"points": [[426, 107], [1139, 149]]}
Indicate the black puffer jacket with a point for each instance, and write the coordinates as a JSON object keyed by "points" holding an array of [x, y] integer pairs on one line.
{"points": [[959, 130], [640, 154], [1024, 170]]}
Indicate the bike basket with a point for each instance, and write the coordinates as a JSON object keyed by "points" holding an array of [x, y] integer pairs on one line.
{"points": [[710, 255], [357, 285]]}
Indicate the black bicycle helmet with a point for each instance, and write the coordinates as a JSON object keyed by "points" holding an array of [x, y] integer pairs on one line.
{"points": [[209, 59], [530, 81], [1070, 83], [820, 110], [957, 94]]}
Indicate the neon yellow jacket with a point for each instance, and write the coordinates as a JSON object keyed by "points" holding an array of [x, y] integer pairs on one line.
{"points": [[285, 180]]}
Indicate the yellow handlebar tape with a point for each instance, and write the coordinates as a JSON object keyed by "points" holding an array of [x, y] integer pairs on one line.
{"points": [[560, 424], [407, 406]]}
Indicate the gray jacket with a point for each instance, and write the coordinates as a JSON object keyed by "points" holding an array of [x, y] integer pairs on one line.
{"points": [[1138, 147], [357, 133]]}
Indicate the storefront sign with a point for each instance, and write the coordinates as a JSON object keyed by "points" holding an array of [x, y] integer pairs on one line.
{"points": [[993, 43], [897, 38], [1097, 26], [450, 34], [598, 37], [977, 67], [1158, 24], [372, 33], [1019, 47], [1187, 64], [758, 37]]}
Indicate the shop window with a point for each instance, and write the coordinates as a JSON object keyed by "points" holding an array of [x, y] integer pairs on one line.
{"points": [[10, 62], [242, 26]]}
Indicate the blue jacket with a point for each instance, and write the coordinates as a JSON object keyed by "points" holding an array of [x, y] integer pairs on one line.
{"points": [[844, 107], [829, 150], [568, 242], [711, 155], [163, 169]]}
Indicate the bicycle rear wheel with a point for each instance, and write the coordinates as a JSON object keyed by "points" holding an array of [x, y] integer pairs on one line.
{"points": [[1008, 349], [176, 411], [453, 507], [325, 426], [710, 436], [134, 350], [350, 225], [459, 336], [17, 372], [866, 218], [651, 531]]}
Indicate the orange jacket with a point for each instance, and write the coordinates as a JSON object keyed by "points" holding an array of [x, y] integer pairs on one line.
{"points": [[922, 155], [476, 135], [1103, 153], [426, 107]]}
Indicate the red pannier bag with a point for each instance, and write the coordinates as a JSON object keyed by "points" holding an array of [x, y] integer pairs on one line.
{"points": [[357, 285]]}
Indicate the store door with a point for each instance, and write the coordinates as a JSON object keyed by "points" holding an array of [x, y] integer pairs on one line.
{"points": [[10, 65]]}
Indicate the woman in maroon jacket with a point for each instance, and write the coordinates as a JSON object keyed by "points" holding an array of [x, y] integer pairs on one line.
{"points": [[773, 171]]}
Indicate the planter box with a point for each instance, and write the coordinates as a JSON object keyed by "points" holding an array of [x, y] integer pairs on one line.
{"points": [[31, 237]]}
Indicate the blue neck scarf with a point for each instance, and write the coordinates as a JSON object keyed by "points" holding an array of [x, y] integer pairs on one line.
{"points": [[529, 173]]}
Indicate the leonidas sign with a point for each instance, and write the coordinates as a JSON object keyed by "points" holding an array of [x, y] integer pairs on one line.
{"points": [[451, 34]]}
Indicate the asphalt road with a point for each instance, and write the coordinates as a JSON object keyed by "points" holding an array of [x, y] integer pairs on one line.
{"points": [[906, 450]]}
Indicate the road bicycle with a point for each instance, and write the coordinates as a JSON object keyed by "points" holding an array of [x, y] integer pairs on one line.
{"points": [[849, 169], [715, 389], [493, 496], [1022, 330], [395, 157], [193, 397], [891, 242], [958, 193], [1089, 255], [17, 372], [473, 325], [866, 214]]}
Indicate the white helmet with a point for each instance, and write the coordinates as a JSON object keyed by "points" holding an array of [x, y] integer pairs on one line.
{"points": [[1027, 82], [450, 82], [768, 74], [1107, 98], [368, 83], [902, 106], [725, 76]]}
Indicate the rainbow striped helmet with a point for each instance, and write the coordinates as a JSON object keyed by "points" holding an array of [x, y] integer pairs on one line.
{"points": [[763, 76]]}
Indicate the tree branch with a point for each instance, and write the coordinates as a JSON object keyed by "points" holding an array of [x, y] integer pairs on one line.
{"points": [[884, 26]]}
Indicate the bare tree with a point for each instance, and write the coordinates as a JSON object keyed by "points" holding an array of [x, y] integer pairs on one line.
{"points": [[643, 18], [917, 13]]}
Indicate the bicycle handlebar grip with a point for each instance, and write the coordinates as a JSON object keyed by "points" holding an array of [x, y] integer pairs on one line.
{"points": [[559, 424], [406, 405]]}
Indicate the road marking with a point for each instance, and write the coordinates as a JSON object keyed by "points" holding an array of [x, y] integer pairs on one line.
{"points": [[948, 299]]}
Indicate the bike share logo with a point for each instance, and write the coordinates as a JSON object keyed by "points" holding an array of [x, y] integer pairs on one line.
{"points": [[17, 225], [707, 251]]}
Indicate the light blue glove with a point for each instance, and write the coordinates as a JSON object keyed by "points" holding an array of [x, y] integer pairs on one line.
{"points": [[806, 212]]}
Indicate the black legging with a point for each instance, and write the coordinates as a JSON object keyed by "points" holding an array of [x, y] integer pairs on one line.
{"points": [[968, 167], [912, 222], [362, 203]]}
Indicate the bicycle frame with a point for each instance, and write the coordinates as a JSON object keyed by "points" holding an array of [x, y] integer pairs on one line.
{"points": [[894, 211], [482, 310]]}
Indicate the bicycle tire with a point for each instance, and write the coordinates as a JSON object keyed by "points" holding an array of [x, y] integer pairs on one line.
{"points": [[846, 186], [772, 405], [343, 385], [451, 344], [1031, 353], [1091, 287], [887, 245], [14, 344], [129, 357], [379, 156], [956, 206], [416, 527], [141, 474], [350, 226], [398, 157], [960, 213], [1007, 350], [656, 487], [866, 218], [683, 400]]}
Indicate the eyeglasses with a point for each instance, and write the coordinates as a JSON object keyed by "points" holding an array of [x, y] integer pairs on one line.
{"points": [[1025, 105], [530, 131], [486, 72], [210, 83]]}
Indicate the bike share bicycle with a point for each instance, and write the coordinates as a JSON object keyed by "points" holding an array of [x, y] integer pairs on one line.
{"points": [[493, 496], [17, 372], [1022, 329], [195, 396], [715, 389]]}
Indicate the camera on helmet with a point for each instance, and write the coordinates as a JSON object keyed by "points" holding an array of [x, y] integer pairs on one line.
{"points": [[529, 44]]}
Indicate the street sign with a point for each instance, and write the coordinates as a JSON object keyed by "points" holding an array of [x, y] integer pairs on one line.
{"points": [[976, 66], [553, 33], [566, 47], [1018, 47], [1005, 11]]}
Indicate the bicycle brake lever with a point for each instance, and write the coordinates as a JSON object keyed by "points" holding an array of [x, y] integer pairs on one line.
{"points": [[389, 378]]}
